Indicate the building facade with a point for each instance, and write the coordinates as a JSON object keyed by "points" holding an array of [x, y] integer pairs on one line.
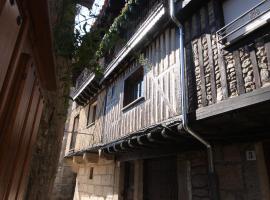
{"points": [[126, 134]]}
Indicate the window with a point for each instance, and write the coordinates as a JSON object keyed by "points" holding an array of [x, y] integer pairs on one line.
{"points": [[74, 132], [242, 18], [91, 173], [91, 116], [133, 88]]}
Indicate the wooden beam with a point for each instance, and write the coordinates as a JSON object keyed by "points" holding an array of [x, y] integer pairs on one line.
{"points": [[255, 67], [212, 69], [90, 157], [223, 73], [78, 160], [68, 161], [239, 74], [107, 156], [244, 100], [202, 75]]}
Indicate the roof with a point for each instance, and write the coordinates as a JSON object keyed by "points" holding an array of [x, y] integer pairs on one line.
{"points": [[165, 134]]}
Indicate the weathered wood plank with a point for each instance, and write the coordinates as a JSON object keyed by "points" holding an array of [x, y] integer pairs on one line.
{"points": [[223, 74], [267, 50], [244, 100], [255, 68], [172, 46], [212, 68], [157, 57], [202, 75], [162, 54], [167, 49], [239, 74]]}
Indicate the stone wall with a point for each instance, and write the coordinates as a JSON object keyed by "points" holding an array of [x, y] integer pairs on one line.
{"points": [[103, 185], [238, 178], [64, 183]]}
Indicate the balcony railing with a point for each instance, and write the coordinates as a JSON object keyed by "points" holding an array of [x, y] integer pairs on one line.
{"points": [[136, 21], [84, 78], [244, 24]]}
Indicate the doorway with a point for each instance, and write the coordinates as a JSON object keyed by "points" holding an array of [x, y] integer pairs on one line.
{"points": [[160, 179]]}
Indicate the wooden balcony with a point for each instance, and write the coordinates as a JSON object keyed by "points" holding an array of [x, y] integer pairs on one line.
{"points": [[225, 76], [228, 80]]}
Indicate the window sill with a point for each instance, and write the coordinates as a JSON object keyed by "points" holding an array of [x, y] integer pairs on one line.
{"points": [[90, 125], [132, 104]]}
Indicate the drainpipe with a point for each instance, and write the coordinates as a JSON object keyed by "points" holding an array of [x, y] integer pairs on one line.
{"points": [[184, 105]]}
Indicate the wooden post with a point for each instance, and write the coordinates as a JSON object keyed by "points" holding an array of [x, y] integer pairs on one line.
{"points": [[138, 180], [121, 181]]}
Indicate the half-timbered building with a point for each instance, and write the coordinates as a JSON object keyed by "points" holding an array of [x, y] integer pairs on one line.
{"points": [[182, 108]]}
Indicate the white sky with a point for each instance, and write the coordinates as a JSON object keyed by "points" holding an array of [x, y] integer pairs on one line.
{"points": [[84, 16]]}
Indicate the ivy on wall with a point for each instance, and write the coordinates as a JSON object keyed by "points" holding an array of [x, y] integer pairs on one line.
{"points": [[86, 51]]}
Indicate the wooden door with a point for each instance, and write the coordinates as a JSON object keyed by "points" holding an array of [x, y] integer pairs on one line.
{"points": [[21, 102], [19, 132], [160, 179], [266, 148], [129, 181]]}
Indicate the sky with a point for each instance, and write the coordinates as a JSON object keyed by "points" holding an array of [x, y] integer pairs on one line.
{"points": [[84, 16]]}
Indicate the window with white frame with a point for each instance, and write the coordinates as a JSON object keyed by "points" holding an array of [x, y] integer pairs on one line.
{"points": [[92, 112], [243, 17]]}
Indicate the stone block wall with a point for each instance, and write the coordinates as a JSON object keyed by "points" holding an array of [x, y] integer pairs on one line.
{"points": [[64, 183], [238, 178], [104, 184]]}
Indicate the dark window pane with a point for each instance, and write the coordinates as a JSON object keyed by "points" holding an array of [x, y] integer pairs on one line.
{"points": [[133, 87]]}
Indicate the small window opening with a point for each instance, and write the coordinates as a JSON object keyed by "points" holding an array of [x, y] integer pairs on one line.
{"points": [[92, 112], [133, 88]]}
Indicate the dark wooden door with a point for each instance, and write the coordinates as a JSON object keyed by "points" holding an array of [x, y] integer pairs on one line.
{"points": [[129, 181], [266, 148], [160, 179]]}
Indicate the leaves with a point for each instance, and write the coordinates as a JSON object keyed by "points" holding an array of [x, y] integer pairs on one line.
{"points": [[86, 50]]}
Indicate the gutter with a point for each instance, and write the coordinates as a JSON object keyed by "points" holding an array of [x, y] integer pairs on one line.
{"points": [[184, 105]]}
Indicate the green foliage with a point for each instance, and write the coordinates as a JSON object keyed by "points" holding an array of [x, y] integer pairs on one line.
{"points": [[87, 50], [64, 37]]}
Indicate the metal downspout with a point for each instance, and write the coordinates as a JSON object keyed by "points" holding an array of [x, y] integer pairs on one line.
{"points": [[184, 104]]}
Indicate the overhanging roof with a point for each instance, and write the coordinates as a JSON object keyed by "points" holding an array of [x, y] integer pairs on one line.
{"points": [[152, 20]]}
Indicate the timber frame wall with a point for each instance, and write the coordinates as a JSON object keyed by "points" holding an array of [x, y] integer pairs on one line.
{"points": [[160, 90], [219, 79], [224, 79]]}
